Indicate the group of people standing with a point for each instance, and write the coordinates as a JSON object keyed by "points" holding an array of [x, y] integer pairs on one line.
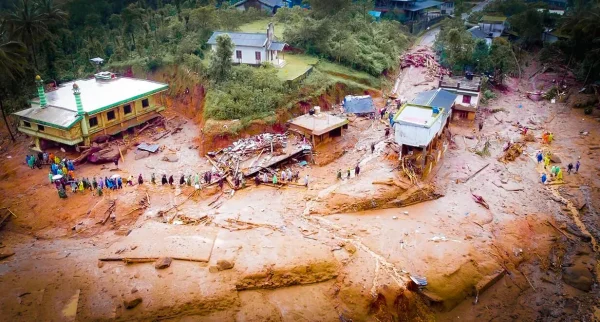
{"points": [[341, 175], [555, 171], [286, 176]]}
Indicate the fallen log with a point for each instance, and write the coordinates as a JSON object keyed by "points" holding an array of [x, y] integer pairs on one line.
{"points": [[476, 172]]}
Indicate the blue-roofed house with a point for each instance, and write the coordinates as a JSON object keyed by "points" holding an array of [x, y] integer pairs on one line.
{"points": [[270, 6], [358, 104], [254, 48], [419, 124]]}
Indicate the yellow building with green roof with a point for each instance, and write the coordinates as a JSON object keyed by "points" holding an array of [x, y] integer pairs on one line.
{"points": [[79, 111]]}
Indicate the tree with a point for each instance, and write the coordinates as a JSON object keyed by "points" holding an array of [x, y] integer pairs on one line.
{"points": [[324, 8], [12, 65], [529, 25], [502, 58], [131, 18], [28, 23], [219, 68]]}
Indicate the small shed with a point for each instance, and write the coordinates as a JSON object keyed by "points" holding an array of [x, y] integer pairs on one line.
{"points": [[358, 104], [318, 127]]}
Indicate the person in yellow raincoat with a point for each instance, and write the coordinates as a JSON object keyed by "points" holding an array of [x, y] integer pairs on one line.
{"points": [[550, 137], [546, 161], [559, 174], [56, 160], [80, 185]]}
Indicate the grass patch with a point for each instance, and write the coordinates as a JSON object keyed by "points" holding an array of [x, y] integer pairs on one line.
{"points": [[348, 73], [296, 66], [260, 26]]}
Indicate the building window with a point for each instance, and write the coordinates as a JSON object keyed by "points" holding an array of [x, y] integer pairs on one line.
{"points": [[26, 124], [110, 115], [127, 109], [466, 99], [41, 128], [145, 103], [93, 121], [238, 54], [257, 55]]}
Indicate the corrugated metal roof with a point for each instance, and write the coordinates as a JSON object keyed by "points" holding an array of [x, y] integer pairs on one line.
{"points": [[423, 5], [477, 33], [358, 104], [100, 95], [435, 98], [241, 38], [277, 46], [51, 116]]}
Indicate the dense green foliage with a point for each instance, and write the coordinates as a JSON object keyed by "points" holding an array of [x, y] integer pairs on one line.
{"points": [[248, 93], [348, 37], [461, 52]]}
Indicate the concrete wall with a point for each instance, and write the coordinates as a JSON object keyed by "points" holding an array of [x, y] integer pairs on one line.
{"points": [[474, 100], [416, 136], [248, 55]]}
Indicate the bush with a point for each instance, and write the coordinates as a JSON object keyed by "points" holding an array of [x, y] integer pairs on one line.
{"points": [[249, 93], [487, 95], [154, 63]]}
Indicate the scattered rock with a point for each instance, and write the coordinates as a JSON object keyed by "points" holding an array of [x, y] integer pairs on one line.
{"points": [[6, 254], [350, 248], [170, 158], [213, 269], [504, 181], [223, 264], [132, 301], [163, 262], [141, 155], [579, 277], [134, 290], [555, 159], [100, 264]]}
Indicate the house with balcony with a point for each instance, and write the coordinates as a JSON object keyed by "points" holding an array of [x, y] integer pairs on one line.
{"points": [[254, 48], [79, 111]]}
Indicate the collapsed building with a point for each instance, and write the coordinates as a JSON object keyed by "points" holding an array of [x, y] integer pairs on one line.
{"points": [[418, 128]]}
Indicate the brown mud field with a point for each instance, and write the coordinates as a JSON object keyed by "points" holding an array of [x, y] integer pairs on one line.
{"points": [[337, 250]]}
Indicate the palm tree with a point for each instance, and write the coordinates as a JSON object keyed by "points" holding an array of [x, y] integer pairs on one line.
{"points": [[27, 22], [12, 64]]}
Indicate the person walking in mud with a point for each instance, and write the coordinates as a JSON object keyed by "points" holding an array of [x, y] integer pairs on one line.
{"points": [[140, 180], [182, 180], [570, 167], [339, 174], [171, 180], [480, 126], [306, 181], [372, 148], [577, 166], [357, 169], [164, 179], [274, 178]]}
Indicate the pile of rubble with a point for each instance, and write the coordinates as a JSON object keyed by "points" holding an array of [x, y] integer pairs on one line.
{"points": [[227, 161], [511, 152], [424, 58]]}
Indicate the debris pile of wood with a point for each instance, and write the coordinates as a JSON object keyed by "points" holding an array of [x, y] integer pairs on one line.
{"points": [[424, 58], [511, 152], [105, 150], [185, 220], [227, 161]]}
